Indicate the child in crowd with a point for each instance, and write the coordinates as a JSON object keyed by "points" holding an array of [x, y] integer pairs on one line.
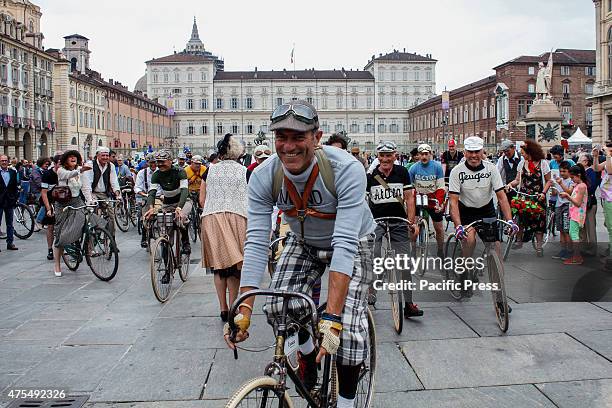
{"points": [[562, 220], [577, 212]]}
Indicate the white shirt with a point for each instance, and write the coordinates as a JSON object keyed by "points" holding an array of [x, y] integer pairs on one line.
{"points": [[476, 188], [88, 176], [140, 186]]}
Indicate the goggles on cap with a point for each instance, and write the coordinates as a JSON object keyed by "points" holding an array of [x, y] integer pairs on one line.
{"points": [[303, 113], [258, 153], [386, 147]]}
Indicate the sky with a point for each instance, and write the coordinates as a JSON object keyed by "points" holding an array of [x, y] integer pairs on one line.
{"points": [[467, 37]]}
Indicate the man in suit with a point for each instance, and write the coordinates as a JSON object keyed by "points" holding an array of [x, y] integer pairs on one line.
{"points": [[8, 198]]}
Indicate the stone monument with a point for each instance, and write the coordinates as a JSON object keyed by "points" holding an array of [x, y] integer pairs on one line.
{"points": [[543, 122]]}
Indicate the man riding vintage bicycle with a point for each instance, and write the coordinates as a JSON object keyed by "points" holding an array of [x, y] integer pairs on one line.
{"points": [[330, 224], [172, 182]]}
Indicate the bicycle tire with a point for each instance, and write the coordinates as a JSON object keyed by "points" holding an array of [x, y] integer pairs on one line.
{"points": [[34, 209], [133, 211], [495, 271], [23, 217], [122, 217], [450, 251], [193, 228], [397, 312], [422, 243], [365, 389], [71, 261], [508, 246], [162, 263], [267, 386], [184, 264], [101, 254]]}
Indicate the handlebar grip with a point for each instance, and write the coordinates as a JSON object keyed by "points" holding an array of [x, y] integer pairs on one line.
{"points": [[235, 353]]}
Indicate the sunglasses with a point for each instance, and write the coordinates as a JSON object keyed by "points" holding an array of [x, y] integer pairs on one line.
{"points": [[259, 153], [303, 113]]}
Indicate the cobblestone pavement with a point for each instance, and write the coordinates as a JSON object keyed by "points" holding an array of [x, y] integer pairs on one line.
{"points": [[115, 343]]}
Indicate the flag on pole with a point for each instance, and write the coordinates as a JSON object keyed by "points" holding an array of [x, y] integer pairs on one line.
{"points": [[292, 51]]}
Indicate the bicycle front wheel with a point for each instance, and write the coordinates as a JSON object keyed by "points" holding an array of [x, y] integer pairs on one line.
{"points": [[184, 260], [261, 392], [422, 242], [122, 217], [23, 223], [452, 250], [365, 382], [500, 301], [393, 279], [162, 268], [193, 224], [101, 254]]}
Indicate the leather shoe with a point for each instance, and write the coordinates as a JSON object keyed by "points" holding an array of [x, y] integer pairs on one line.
{"points": [[11, 247]]}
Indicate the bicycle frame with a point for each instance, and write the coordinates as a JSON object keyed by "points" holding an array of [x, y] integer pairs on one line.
{"points": [[279, 365]]}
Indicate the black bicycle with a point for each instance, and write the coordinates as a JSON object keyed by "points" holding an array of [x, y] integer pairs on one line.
{"points": [[166, 256], [96, 245], [462, 282], [271, 389], [392, 276], [125, 210], [23, 221], [194, 217]]}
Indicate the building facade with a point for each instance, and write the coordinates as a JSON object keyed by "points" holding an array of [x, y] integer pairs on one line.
{"points": [[602, 95], [494, 108], [93, 112], [471, 113], [207, 101], [573, 80], [134, 123], [26, 96]]}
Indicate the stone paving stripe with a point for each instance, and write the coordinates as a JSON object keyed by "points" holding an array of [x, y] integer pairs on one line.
{"points": [[579, 394], [459, 363], [513, 396], [599, 341], [155, 374], [75, 369], [537, 318], [52, 332], [436, 323]]}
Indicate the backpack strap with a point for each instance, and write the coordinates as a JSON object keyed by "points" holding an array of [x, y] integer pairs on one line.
{"points": [[146, 179], [325, 170]]}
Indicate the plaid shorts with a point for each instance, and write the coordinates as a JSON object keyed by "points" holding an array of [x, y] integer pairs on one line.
{"points": [[298, 269]]}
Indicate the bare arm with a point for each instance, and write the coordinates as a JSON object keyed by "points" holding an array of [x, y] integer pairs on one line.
{"points": [[502, 199], [202, 194], [410, 204], [454, 209]]}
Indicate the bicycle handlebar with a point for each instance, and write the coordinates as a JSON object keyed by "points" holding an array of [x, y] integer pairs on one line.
{"points": [[524, 194], [400, 219], [314, 316], [487, 221]]}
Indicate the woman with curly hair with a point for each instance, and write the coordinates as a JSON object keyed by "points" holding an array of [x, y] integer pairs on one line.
{"points": [[68, 224], [223, 198], [533, 177]]}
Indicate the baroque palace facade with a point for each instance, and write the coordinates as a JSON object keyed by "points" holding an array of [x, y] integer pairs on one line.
{"points": [[26, 70], [207, 102]]}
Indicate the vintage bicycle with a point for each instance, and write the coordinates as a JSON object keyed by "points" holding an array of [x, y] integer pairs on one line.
{"points": [[271, 389]]}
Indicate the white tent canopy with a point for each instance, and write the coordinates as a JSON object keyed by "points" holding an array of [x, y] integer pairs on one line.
{"points": [[579, 138]]}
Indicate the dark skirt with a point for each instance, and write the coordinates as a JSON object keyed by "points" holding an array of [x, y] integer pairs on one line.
{"points": [[69, 223]]}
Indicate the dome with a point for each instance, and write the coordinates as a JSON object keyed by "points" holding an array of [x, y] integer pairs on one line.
{"points": [[141, 84]]}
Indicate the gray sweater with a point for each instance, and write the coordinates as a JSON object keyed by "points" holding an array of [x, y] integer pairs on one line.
{"points": [[353, 217]]}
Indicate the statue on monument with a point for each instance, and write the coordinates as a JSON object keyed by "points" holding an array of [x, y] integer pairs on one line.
{"points": [[544, 80]]}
